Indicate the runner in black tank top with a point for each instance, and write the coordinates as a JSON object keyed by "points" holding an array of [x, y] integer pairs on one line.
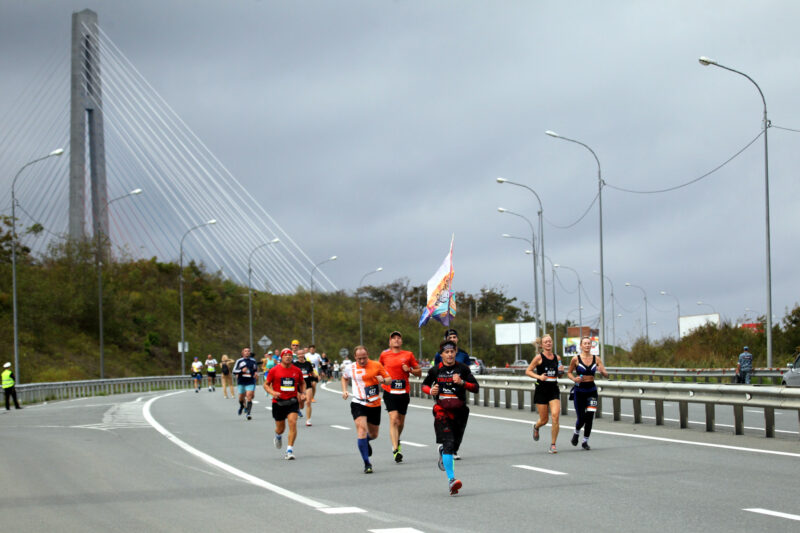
{"points": [[582, 370], [546, 368]]}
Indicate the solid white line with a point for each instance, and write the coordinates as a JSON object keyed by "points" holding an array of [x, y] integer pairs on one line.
{"points": [[544, 470], [413, 444], [343, 510], [340, 427], [396, 530], [774, 513], [224, 466]]}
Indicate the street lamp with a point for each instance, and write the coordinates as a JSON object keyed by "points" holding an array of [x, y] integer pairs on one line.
{"points": [[701, 302], [678, 302], [600, 206], [358, 293], [613, 315], [555, 316], [541, 243], [705, 61], [250, 285], [183, 343], [331, 258], [646, 323], [535, 276], [99, 259], [54, 153], [580, 315]]}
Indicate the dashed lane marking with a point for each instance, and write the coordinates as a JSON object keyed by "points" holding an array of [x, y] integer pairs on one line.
{"points": [[543, 470], [774, 513]]}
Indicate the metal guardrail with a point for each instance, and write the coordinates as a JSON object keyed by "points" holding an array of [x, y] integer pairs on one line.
{"points": [[67, 390], [695, 375], [736, 396]]}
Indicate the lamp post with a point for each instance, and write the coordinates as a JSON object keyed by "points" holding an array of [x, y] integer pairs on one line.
{"points": [[678, 303], [646, 323], [613, 316], [541, 244], [535, 276], [99, 259], [54, 153], [250, 285], [331, 258], [700, 302], [705, 61], [555, 316], [600, 206], [358, 293], [580, 315], [183, 343]]}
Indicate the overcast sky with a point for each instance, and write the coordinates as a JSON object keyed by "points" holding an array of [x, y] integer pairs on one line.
{"points": [[375, 129]]}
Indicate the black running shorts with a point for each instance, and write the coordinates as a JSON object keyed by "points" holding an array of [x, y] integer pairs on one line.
{"points": [[396, 402], [373, 414]]}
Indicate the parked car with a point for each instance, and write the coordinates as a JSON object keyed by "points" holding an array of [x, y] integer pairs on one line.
{"points": [[520, 363], [477, 367], [791, 378]]}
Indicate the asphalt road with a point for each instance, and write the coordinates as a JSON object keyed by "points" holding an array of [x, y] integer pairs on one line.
{"points": [[186, 462]]}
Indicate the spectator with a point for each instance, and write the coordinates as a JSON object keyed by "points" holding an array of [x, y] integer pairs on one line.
{"points": [[744, 367]]}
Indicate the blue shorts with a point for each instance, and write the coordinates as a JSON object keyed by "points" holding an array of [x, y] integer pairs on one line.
{"points": [[246, 388]]}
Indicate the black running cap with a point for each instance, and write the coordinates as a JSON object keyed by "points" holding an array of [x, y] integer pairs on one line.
{"points": [[450, 332]]}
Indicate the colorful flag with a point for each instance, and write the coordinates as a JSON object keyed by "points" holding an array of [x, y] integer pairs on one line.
{"points": [[441, 297]]}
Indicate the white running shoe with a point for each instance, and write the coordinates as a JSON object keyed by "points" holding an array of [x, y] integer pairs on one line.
{"points": [[290, 455], [278, 441]]}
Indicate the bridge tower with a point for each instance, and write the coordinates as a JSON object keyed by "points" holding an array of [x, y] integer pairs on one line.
{"points": [[86, 112]]}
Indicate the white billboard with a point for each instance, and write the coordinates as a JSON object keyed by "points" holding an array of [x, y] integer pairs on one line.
{"points": [[516, 333], [686, 324]]}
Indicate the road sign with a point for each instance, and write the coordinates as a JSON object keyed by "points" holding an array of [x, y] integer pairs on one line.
{"points": [[265, 342], [185, 347], [344, 352]]}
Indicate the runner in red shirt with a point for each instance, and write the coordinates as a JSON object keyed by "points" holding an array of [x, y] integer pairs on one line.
{"points": [[286, 386], [399, 364], [365, 405]]}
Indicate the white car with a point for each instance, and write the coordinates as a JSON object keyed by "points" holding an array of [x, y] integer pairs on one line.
{"points": [[791, 378]]}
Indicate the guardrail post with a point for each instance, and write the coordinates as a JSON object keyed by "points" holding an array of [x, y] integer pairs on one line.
{"points": [[486, 392], [769, 421], [564, 403], [710, 412], [617, 409], [683, 414], [508, 397], [521, 399], [637, 411], [659, 412], [738, 420], [497, 397]]}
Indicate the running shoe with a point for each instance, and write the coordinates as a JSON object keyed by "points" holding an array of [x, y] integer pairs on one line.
{"points": [[300, 413], [249, 417], [441, 459], [308, 422], [456, 457], [367, 468], [398, 457], [197, 390], [552, 449], [278, 441], [455, 484], [369, 449], [209, 389], [574, 440], [535, 433], [289, 455], [241, 409], [586, 446]]}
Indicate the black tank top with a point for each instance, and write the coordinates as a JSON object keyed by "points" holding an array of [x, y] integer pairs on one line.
{"points": [[583, 370], [548, 368]]}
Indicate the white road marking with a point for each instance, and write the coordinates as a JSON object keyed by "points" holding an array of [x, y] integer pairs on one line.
{"points": [[396, 530], [343, 510], [774, 513], [544, 470], [412, 444], [340, 427], [224, 466]]}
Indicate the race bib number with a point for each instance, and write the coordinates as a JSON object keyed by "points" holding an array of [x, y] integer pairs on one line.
{"points": [[591, 407], [287, 384], [371, 393], [398, 385], [551, 375], [305, 374]]}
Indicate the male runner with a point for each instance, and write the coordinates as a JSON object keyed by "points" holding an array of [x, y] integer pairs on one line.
{"points": [[211, 372], [365, 404], [309, 377], [448, 382], [461, 357], [286, 386], [399, 364], [313, 357], [197, 373], [246, 371]]}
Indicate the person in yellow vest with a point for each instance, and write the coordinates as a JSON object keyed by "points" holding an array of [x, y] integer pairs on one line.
{"points": [[8, 386]]}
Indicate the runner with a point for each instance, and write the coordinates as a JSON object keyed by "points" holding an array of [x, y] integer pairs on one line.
{"points": [[399, 364], [246, 371], [582, 370], [197, 374], [365, 404], [286, 386], [448, 382], [211, 372], [313, 357], [461, 357], [295, 351], [324, 368], [545, 368], [310, 378]]}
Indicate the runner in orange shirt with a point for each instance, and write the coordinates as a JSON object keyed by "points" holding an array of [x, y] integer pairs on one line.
{"points": [[365, 400], [399, 364]]}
